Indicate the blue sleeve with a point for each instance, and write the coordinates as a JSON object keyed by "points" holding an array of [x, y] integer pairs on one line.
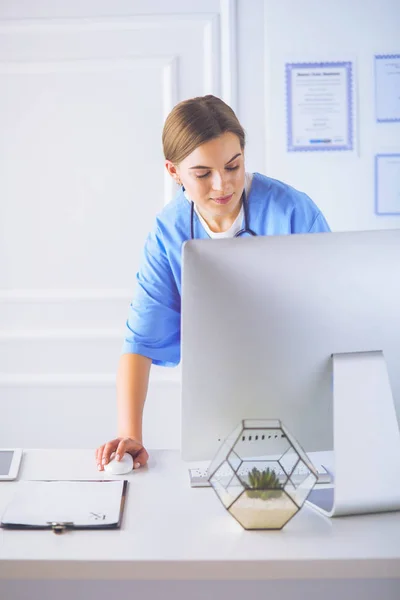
{"points": [[306, 216], [153, 325], [320, 225]]}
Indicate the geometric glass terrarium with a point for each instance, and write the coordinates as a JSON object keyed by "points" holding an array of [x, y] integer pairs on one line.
{"points": [[261, 474]]}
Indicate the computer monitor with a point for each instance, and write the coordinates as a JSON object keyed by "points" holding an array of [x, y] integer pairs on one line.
{"points": [[261, 319]]}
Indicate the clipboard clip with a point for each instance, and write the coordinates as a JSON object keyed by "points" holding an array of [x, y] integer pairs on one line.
{"points": [[59, 526]]}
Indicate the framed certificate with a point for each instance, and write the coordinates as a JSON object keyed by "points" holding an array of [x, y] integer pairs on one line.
{"points": [[319, 101], [387, 184], [387, 87]]}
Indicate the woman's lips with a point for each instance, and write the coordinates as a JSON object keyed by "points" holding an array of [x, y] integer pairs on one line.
{"points": [[223, 199]]}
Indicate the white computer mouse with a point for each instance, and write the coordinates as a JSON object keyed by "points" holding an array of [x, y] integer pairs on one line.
{"points": [[120, 467]]}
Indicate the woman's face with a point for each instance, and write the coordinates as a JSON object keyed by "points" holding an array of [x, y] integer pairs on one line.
{"points": [[213, 175]]}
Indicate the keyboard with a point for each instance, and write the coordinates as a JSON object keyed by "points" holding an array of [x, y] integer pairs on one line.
{"points": [[199, 476]]}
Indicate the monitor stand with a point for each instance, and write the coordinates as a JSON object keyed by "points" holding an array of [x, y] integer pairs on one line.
{"points": [[366, 439]]}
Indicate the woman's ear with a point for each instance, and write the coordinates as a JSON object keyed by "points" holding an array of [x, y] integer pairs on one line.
{"points": [[172, 170]]}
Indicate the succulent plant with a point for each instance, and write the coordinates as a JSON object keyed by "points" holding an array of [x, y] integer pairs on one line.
{"points": [[263, 484]]}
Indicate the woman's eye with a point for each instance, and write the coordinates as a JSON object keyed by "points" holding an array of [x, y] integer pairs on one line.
{"points": [[209, 172]]}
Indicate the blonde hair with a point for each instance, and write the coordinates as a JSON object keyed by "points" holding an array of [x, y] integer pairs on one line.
{"points": [[195, 121]]}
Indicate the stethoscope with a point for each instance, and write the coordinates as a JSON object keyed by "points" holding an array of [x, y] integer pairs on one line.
{"points": [[246, 229]]}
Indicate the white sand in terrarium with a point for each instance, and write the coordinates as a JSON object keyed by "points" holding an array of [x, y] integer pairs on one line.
{"points": [[255, 513]]}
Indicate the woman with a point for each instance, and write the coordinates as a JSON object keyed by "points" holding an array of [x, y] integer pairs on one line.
{"points": [[203, 145]]}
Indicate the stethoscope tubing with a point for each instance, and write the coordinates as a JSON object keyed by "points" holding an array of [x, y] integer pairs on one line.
{"points": [[246, 228]]}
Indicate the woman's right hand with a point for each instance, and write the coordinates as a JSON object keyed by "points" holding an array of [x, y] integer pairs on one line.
{"points": [[119, 446]]}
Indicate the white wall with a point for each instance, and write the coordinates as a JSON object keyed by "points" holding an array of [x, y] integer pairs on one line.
{"points": [[58, 358], [341, 183]]}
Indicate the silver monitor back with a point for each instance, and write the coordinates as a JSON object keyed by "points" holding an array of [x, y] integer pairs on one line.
{"points": [[261, 318]]}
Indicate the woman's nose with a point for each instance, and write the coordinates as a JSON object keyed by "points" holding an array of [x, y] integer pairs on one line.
{"points": [[218, 181]]}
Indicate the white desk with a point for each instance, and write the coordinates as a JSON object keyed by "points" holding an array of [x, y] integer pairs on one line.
{"points": [[174, 533]]}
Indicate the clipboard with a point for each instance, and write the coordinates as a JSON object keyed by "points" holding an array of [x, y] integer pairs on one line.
{"points": [[66, 504]]}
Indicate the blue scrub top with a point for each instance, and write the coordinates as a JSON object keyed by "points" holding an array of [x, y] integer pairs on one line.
{"points": [[154, 320]]}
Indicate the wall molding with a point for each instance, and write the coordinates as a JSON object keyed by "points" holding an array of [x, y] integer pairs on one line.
{"points": [[225, 79], [219, 40], [212, 57], [229, 55], [170, 98], [109, 23], [82, 65], [63, 295], [64, 380], [78, 334], [78, 380]]}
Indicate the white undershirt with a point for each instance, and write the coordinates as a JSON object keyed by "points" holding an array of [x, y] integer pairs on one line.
{"points": [[238, 222]]}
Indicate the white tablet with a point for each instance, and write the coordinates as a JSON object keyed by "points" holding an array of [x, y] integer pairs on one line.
{"points": [[10, 459]]}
